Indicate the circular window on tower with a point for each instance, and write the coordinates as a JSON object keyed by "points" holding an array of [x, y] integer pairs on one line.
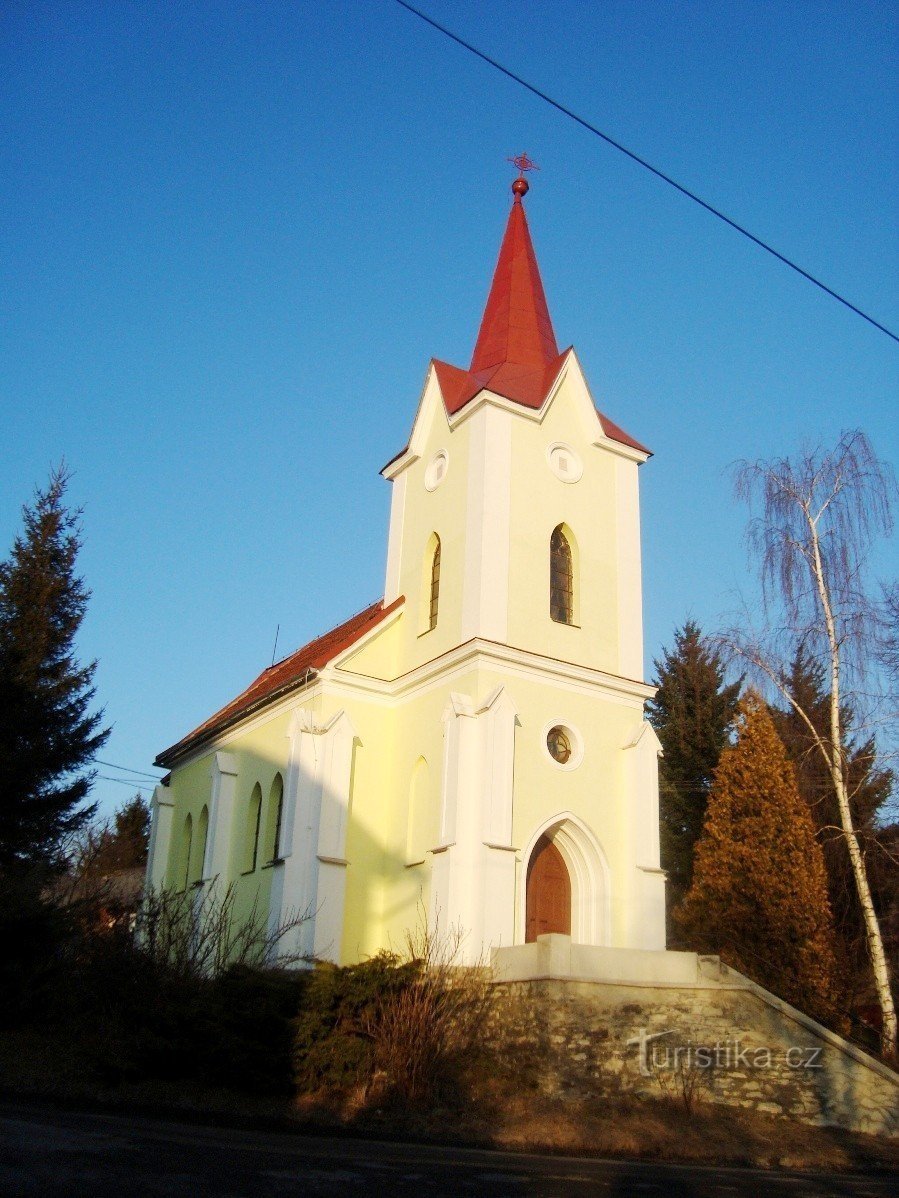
{"points": [[559, 745], [564, 462], [563, 745], [436, 471]]}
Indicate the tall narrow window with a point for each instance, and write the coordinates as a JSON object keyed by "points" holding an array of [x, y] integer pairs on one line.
{"points": [[419, 815], [561, 578], [199, 848], [274, 816], [435, 587], [187, 835], [251, 833]]}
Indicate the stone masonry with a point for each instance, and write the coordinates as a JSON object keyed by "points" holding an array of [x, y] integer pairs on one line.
{"points": [[719, 1036]]}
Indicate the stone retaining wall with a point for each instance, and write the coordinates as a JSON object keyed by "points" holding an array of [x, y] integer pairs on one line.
{"points": [[737, 1045]]}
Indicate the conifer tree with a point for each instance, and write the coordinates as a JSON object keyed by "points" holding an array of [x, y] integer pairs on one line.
{"points": [[693, 713], [124, 843], [759, 892], [48, 734]]}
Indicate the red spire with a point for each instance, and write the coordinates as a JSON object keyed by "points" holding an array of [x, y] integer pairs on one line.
{"points": [[515, 355], [516, 327]]}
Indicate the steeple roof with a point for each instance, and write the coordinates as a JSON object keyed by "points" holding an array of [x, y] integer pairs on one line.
{"points": [[516, 354], [516, 328]]}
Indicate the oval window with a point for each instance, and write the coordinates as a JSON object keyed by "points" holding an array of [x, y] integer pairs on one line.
{"points": [[559, 744], [564, 462], [436, 471]]}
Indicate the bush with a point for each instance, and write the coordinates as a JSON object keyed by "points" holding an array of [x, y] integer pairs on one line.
{"points": [[407, 1022], [35, 934], [186, 996], [334, 1042]]}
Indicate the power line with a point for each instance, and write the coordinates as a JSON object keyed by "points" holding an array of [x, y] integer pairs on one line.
{"points": [[125, 782], [648, 166], [127, 769]]}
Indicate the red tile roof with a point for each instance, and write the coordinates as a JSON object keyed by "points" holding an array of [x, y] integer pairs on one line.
{"points": [[614, 433], [527, 385], [286, 675]]}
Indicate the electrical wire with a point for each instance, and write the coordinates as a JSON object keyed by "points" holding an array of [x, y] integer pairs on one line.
{"points": [[125, 782], [648, 166], [127, 769]]}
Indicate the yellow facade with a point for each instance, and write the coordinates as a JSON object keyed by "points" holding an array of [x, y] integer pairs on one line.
{"points": [[415, 767]]}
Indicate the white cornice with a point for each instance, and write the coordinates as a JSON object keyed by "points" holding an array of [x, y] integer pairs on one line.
{"points": [[617, 447], [491, 654], [408, 456], [510, 405], [400, 463], [444, 670]]}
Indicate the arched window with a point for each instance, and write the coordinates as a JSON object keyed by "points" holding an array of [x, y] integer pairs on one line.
{"points": [[187, 835], [561, 578], [434, 595], [251, 830], [199, 847], [274, 813]]}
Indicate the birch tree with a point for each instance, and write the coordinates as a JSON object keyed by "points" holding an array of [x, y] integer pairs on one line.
{"points": [[813, 521]]}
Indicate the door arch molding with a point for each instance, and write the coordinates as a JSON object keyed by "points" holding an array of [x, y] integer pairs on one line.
{"points": [[588, 869]]}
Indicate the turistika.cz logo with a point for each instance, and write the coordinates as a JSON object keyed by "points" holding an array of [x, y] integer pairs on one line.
{"points": [[656, 1053]]}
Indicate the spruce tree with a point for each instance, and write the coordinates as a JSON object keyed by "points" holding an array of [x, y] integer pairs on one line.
{"points": [[759, 893], [124, 843], [693, 713], [48, 734]]}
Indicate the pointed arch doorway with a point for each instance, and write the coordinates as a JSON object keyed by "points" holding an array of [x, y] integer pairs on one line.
{"points": [[548, 892]]}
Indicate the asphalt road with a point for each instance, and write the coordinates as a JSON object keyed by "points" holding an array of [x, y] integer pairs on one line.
{"points": [[48, 1153]]}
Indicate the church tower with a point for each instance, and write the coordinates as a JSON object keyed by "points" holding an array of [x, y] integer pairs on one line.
{"points": [[515, 539], [472, 746]]}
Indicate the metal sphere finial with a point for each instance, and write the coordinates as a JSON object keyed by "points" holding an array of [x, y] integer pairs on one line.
{"points": [[521, 187]]}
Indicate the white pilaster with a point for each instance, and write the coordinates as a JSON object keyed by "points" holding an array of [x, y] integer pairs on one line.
{"points": [[646, 904], [338, 740], [498, 720], [217, 860], [395, 538], [162, 810], [450, 904], [311, 880], [473, 871], [630, 586], [485, 591], [292, 885]]}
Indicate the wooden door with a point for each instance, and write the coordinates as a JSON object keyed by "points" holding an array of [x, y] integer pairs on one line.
{"points": [[548, 906]]}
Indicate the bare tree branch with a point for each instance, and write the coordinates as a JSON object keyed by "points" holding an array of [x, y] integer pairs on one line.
{"points": [[813, 521]]}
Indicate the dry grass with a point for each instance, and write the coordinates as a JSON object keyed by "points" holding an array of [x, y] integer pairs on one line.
{"points": [[493, 1113]]}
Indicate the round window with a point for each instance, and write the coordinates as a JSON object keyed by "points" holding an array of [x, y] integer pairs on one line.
{"points": [[436, 471], [559, 744], [564, 462]]}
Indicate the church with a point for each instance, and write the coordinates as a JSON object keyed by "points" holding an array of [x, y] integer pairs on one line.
{"points": [[473, 745]]}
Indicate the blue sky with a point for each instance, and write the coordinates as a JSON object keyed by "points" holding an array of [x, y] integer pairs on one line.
{"points": [[233, 235]]}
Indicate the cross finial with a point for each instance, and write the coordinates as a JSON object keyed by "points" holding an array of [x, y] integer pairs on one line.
{"points": [[524, 164], [520, 186]]}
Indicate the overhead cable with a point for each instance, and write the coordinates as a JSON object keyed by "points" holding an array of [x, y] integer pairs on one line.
{"points": [[648, 166]]}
